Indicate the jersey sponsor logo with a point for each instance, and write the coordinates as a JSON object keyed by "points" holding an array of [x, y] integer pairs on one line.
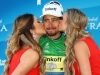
{"points": [[51, 66], [55, 59], [47, 45], [60, 50], [46, 51], [54, 63]]}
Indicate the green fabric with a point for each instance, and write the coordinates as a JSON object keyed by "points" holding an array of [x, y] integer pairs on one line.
{"points": [[53, 47]]}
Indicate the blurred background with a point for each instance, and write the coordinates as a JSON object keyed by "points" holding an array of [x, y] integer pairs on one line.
{"points": [[10, 9]]}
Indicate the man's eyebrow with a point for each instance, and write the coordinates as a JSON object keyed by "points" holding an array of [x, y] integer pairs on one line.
{"points": [[46, 19], [54, 18]]}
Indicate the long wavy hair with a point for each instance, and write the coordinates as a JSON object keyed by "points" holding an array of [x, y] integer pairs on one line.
{"points": [[21, 36], [76, 24]]}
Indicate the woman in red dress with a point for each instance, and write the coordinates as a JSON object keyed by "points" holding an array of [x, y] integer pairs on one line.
{"points": [[23, 51], [82, 53]]}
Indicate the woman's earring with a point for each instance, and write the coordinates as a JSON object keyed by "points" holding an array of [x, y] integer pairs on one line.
{"points": [[65, 32], [34, 36]]}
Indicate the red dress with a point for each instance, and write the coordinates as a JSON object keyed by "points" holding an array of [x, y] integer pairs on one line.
{"points": [[16, 60], [94, 57]]}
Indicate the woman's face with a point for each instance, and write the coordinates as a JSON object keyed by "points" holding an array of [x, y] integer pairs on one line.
{"points": [[63, 25], [39, 28]]}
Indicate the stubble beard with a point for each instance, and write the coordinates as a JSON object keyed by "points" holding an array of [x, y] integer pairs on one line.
{"points": [[52, 34]]}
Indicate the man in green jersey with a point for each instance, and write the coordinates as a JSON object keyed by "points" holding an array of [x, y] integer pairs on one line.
{"points": [[53, 43]]}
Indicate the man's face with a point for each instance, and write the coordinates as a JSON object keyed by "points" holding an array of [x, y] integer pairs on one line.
{"points": [[51, 24]]}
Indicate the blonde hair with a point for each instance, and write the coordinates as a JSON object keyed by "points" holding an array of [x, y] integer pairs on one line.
{"points": [[21, 36], [77, 21]]}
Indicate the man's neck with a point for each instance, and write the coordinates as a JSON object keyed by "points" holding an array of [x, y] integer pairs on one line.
{"points": [[57, 36]]}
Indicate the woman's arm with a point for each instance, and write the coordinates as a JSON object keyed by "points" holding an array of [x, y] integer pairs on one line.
{"points": [[27, 61], [82, 54]]}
